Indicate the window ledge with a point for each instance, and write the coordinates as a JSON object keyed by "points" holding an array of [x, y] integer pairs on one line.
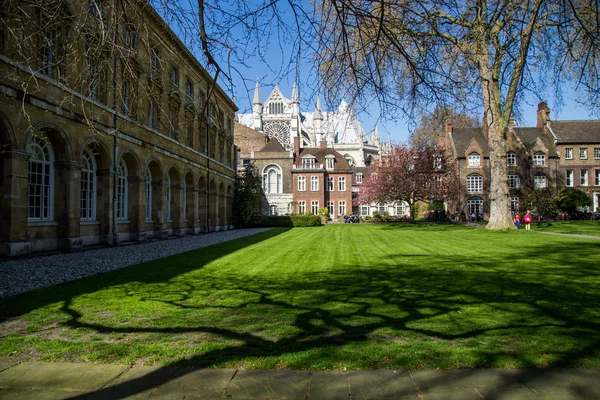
{"points": [[123, 221], [41, 223], [86, 222]]}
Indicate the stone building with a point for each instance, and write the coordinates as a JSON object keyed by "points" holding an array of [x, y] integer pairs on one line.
{"points": [[75, 172], [306, 150], [537, 157]]}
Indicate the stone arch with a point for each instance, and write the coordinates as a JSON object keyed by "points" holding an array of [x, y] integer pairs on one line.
{"points": [[12, 211], [202, 200], [153, 191], [133, 194], [229, 208], [101, 151], [189, 199], [8, 139], [61, 145], [221, 218], [213, 203], [173, 199]]}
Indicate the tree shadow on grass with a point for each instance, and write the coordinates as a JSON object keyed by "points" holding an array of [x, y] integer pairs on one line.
{"points": [[497, 315]]}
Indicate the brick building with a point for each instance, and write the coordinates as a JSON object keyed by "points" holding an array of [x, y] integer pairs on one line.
{"points": [[551, 154], [77, 173]]}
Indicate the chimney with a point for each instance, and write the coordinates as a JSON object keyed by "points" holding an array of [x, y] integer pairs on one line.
{"points": [[448, 124], [441, 142], [323, 143], [543, 115]]}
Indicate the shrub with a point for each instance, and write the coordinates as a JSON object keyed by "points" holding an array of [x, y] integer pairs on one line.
{"points": [[285, 221], [324, 211]]}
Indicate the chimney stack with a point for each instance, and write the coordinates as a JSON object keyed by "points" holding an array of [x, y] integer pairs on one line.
{"points": [[543, 115], [448, 124], [296, 146]]}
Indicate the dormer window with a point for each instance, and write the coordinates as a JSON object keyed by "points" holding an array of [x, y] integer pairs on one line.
{"points": [[276, 108], [474, 160], [539, 159], [359, 178], [329, 162], [308, 162]]}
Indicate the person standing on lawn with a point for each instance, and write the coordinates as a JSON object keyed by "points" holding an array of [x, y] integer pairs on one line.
{"points": [[527, 219], [517, 220]]}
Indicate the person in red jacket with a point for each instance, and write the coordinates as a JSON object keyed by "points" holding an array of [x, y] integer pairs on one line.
{"points": [[527, 219], [517, 220]]}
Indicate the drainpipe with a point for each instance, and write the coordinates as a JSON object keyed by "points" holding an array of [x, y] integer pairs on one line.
{"points": [[115, 232]]}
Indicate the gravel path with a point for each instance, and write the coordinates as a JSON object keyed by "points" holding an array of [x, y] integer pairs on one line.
{"points": [[23, 275]]}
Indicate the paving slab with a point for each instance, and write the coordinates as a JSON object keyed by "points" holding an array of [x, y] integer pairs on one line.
{"points": [[7, 364], [570, 393], [38, 394], [77, 376], [381, 383], [450, 394], [198, 382], [269, 384], [328, 385], [136, 383], [467, 378], [507, 393]]}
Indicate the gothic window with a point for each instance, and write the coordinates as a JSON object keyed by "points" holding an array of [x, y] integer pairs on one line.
{"points": [[279, 130], [148, 194], [88, 187], [41, 179], [272, 179], [276, 108], [474, 183], [122, 191]]}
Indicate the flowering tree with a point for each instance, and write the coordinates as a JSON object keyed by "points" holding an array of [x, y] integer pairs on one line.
{"points": [[410, 175]]}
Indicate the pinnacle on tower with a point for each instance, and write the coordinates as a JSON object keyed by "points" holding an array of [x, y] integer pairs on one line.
{"points": [[257, 99], [318, 114], [295, 98]]}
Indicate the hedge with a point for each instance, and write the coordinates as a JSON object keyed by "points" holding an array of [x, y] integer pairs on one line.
{"points": [[288, 221]]}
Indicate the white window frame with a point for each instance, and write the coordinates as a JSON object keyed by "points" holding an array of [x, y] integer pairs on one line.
{"points": [[569, 178], [330, 184], [597, 176], [359, 179], [584, 175], [474, 160], [272, 179], [341, 183], [342, 207], [314, 183], [122, 192], [540, 181], [513, 181], [148, 194], [539, 159], [41, 189], [475, 205], [308, 163], [329, 162], [596, 153], [364, 210], [474, 183], [583, 153], [273, 210], [301, 207], [314, 207], [331, 208], [302, 184], [87, 200], [400, 209], [511, 159], [568, 153], [514, 203]]}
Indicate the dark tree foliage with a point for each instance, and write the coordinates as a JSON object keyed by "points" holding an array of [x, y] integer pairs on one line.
{"points": [[572, 198], [246, 196]]}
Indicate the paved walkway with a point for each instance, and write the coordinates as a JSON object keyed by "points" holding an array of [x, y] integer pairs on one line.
{"points": [[47, 381], [573, 235]]}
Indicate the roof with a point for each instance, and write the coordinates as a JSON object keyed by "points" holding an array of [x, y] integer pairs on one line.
{"points": [[273, 146], [576, 131], [340, 162], [462, 138]]}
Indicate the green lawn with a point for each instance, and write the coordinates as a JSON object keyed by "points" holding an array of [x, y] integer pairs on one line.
{"points": [[577, 227], [340, 296]]}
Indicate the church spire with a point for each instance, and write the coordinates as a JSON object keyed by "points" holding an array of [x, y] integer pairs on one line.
{"points": [[257, 108], [257, 99], [375, 136]]}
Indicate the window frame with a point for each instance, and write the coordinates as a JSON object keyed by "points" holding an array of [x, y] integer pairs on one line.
{"points": [[539, 159], [511, 159], [513, 180], [583, 153], [314, 183], [584, 177], [568, 153], [302, 207], [301, 183], [44, 168], [472, 158], [474, 183], [87, 197], [148, 195], [342, 208], [341, 183], [122, 191], [569, 178]]}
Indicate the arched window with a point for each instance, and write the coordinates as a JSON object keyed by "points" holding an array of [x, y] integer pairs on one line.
{"points": [[88, 186], [511, 158], [148, 194], [41, 179], [168, 199], [475, 205], [540, 181], [513, 181], [474, 183], [122, 191], [272, 179], [539, 159], [474, 160]]}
